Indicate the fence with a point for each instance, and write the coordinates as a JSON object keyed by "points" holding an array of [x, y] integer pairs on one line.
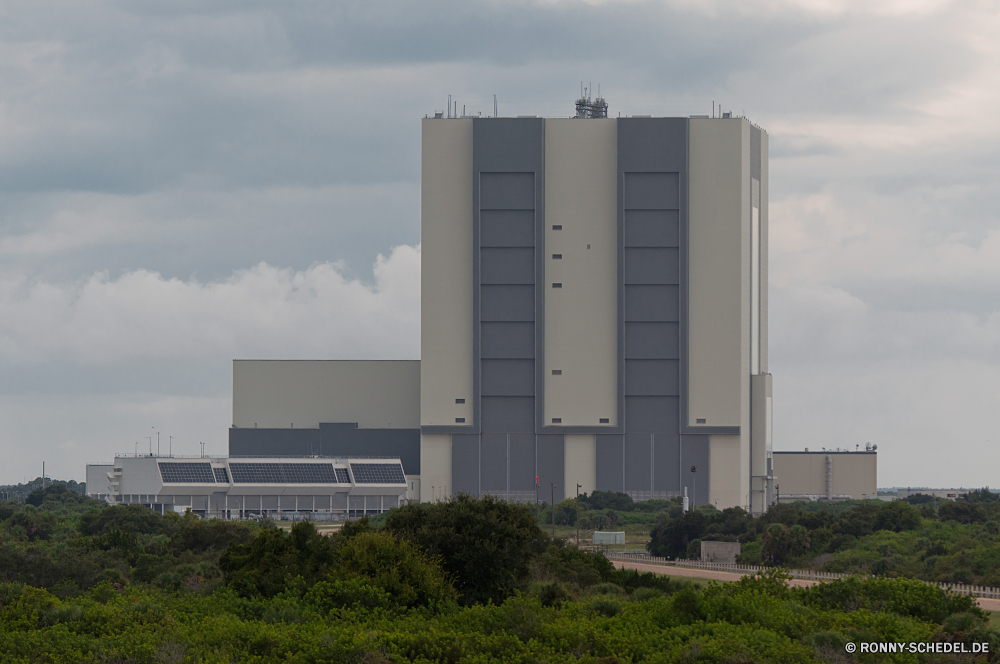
{"points": [[807, 574]]}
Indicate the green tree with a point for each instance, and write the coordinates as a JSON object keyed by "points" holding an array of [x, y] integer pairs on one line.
{"points": [[398, 567], [897, 516], [485, 544], [670, 538], [782, 544], [268, 562]]}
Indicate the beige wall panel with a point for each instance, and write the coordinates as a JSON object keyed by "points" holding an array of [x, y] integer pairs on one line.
{"points": [[446, 271], [719, 217], [581, 334], [581, 463], [435, 467], [376, 394], [854, 474], [728, 486]]}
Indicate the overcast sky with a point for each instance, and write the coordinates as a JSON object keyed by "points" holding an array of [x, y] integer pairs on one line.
{"points": [[184, 183]]}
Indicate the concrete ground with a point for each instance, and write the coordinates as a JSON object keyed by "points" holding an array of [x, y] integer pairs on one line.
{"points": [[984, 603]]}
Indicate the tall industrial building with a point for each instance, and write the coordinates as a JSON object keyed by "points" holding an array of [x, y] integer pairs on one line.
{"points": [[594, 308]]}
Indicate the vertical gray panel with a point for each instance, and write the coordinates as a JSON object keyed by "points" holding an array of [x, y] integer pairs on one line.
{"points": [[506, 145], [507, 303], [522, 461], [321, 502], [653, 414], [666, 457], [465, 464], [610, 460], [651, 265], [304, 503], [638, 461], [503, 414], [695, 452], [652, 144], [508, 340], [507, 162], [652, 378], [649, 303], [508, 378], [652, 341], [652, 228], [252, 503], [551, 466], [507, 191], [508, 265], [652, 191], [494, 464], [339, 501], [507, 228]]}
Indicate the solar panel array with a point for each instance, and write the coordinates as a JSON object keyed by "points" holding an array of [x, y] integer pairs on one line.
{"points": [[187, 473], [378, 473], [283, 473], [221, 475], [342, 476]]}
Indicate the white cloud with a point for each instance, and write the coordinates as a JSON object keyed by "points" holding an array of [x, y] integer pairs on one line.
{"points": [[263, 311]]}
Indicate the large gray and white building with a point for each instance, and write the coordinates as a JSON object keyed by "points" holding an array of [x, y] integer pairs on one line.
{"points": [[593, 313], [594, 307]]}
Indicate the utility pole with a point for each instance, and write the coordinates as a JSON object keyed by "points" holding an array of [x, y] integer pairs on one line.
{"points": [[150, 439], [553, 511], [157, 443], [171, 443], [578, 516], [694, 490], [538, 512]]}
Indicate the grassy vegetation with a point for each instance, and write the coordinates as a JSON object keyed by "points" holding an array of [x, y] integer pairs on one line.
{"points": [[469, 580]]}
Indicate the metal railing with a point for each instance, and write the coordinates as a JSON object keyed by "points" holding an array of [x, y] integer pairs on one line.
{"points": [[806, 574]]}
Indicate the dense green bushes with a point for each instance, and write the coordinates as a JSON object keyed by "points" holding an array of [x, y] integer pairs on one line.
{"points": [[469, 580], [941, 540], [757, 619]]}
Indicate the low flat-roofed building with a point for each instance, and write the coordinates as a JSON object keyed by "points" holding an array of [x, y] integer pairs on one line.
{"points": [[332, 408], [246, 487], [937, 493], [825, 475]]}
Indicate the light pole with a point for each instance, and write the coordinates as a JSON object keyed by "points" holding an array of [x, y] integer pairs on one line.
{"points": [[150, 439], [553, 511], [171, 443], [538, 510], [694, 488], [578, 516]]}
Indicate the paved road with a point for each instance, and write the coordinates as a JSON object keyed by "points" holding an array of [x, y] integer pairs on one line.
{"points": [[984, 603]]}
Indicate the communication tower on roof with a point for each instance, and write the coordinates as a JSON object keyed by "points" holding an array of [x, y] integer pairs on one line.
{"points": [[590, 108]]}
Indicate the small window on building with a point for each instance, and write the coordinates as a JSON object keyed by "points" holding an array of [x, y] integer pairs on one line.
{"points": [[556, 420], [557, 256], [605, 420], [588, 246], [459, 400], [460, 420], [700, 420], [557, 285], [557, 227], [557, 372]]}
